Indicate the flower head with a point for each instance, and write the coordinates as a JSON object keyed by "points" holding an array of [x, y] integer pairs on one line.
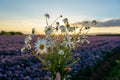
{"points": [[68, 44], [28, 39], [49, 30], [68, 37], [70, 29], [57, 24], [68, 41], [47, 15], [61, 52], [84, 41], [51, 43], [60, 15], [65, 20], [93, 23], [62, 28], [40, 46], [26, 47], [22, 49]]}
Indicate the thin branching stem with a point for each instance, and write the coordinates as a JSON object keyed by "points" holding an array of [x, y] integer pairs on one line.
{"points": [[55, 20], [47, 21]]}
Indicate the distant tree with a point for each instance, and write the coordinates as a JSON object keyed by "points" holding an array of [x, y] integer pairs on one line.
{"points": [[19, 33], [4, 33], [10, 33]]}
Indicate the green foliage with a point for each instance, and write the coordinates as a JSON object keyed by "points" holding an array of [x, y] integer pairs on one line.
{"points": [[55, 62]]}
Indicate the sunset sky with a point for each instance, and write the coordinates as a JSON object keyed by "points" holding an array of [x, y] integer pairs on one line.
{"points": [[23, 15]]}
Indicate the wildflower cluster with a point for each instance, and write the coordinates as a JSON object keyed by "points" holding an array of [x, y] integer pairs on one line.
{"points": [[55, 51]]}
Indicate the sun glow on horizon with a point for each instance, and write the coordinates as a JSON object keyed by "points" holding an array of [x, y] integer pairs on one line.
{"points": [[25, 26]]}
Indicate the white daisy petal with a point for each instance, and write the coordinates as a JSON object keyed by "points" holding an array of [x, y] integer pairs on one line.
{"points": [[40, 46]]}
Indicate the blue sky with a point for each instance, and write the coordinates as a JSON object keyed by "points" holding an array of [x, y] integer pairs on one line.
{"points": [[76, 10], [99, 9]]}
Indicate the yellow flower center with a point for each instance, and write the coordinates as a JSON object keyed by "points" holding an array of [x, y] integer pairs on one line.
{"points": [[41, 46]]}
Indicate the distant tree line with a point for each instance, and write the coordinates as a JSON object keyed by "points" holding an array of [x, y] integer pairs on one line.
{"points": [[10, 33]]}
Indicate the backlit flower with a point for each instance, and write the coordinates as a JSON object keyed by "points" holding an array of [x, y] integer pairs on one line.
{"points": [[70, 29], [68, 37], [65, 20], [67, 24], [26, 47], [51, 43], [93, 23], [40, 46], [57, 24], [68, 44], [22, 49], [28, 39], [68, 41], [47, 15], [49, 30], [62, 28], [84, 41], [60, 15]]}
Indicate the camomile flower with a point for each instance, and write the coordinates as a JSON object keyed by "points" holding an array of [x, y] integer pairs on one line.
{"points": [[62, 28], [67, 24], [87, 24], [63, 44], [70, 29], [51, 43], [61, 16], [47, 15], [28, 39], [40, 46], [65, 20], [26, 47], [22, 49], [49, 30], [68, 37], [68, 40], [61, 52], [93, 23], [84, 23], [57, 24], [84, 41], [68, 43]]}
